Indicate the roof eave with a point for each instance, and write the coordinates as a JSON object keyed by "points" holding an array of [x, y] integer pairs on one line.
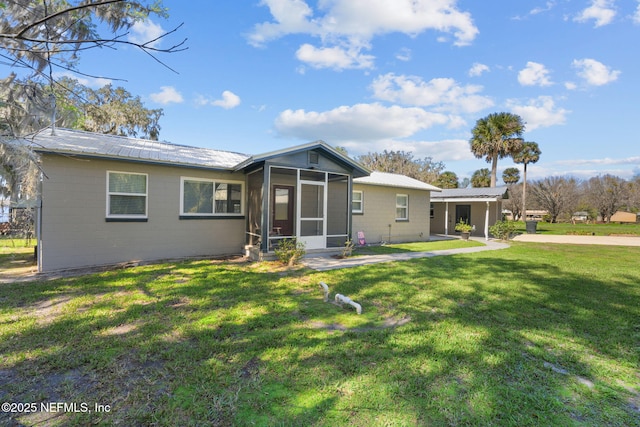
{"points": [[97, 156]]}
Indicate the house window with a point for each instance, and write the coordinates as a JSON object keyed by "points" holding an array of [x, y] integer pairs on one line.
{"points": [[402, 207], [432, 212], [357, 202], [126, 195], [204, 197]]}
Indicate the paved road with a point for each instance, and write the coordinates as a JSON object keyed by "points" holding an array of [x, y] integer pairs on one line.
{"points": [[579, 240]]}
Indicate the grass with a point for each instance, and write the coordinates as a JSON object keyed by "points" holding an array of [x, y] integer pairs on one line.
{"points": [[435, 245], [16, 255], [585, 229], [531, 335]]}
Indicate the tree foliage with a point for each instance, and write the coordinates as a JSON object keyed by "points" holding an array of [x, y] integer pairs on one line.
{"points": [[606, 194], [556, 195], [447, 179], [48, 35], [481, 178], [496, 136], [41, 37], [511, 175], [111, 110], [528, 153], [402, 162], [514, 202], [28, 107]]}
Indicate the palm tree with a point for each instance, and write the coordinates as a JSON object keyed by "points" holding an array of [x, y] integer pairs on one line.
{"points": [[511, 175], [528, 153], [480, 178], [447, 179], [496, 136]]}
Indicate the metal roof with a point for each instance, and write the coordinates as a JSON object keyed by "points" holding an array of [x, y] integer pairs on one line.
{"points": [[97, 145], [472, 194], [358, 169], [75, 142], [394, 180]]}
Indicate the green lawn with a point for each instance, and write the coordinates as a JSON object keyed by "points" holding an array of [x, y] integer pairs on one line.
{"points": [[16, 255], [585, 229], [435, 245], [526, 336]]}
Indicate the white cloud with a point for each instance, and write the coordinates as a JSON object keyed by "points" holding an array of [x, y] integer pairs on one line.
{"points": [[601, 11], [547, 7], [444, 94], [228, 101], [352, 24], [477, 69], [539, 112], [633, 160], [333, 57], [290, 17], [534, 74], [167, 95], [360, 122], [404, 54], [145, 31], [636, 15], [595, 73], [570, 85]]}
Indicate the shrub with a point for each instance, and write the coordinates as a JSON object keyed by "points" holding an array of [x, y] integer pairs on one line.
{"points": [[503, 229], [463, 227], [348, 248], [289, 251]]}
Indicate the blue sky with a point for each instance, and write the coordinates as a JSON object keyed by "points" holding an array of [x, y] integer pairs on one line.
{"points": [[412, 75]]}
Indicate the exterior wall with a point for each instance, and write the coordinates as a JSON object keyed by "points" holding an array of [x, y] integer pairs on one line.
{"points": [[621, 216], [74, 232], [379, 212], [478, 215]]}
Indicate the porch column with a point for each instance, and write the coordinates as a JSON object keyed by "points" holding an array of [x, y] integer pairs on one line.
{"points": [[446, 218], [266, 194], [486, 223]]}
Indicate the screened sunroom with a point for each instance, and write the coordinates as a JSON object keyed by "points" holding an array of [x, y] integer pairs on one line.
{"points": [[302, 193]]}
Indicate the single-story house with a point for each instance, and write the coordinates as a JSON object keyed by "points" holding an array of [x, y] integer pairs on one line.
{"points": [[479, 207], [623, 217], [390, 208], [108, 199]]}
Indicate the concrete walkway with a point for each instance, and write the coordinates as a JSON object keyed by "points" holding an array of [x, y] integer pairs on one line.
{"points": [[326, 262], [580, 240]]}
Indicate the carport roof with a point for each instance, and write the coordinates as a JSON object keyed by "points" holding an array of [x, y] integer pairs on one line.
{"points": [[487, 194]]}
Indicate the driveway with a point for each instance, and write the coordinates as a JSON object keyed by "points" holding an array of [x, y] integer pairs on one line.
{"points": [[580, 240]]}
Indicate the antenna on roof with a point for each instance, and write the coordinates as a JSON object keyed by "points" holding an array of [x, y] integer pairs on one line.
{"points": [[52, 101]]}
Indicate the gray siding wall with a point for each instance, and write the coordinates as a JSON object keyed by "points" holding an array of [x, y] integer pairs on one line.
{"points": [[380, 212], [75, 234]]}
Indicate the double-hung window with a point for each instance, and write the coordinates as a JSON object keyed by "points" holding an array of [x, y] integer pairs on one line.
{"points": [[402, 207], [127, 195], [357, 202], [205, 197]]}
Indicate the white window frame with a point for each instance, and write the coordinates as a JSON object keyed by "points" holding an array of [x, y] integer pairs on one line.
{"points": [[115, 193], [405, 207], [214, 182], [361, 201]]}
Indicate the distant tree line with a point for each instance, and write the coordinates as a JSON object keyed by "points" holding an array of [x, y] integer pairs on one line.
{"points": [[561, 197]]}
